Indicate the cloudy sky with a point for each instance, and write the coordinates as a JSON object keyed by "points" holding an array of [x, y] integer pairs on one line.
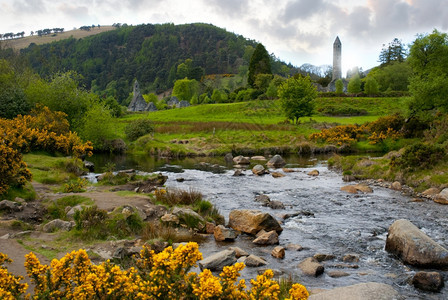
{"points": [[296, 31]]}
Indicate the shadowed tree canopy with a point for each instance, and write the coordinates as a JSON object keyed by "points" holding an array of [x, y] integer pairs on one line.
{"points": [[259, 64]]}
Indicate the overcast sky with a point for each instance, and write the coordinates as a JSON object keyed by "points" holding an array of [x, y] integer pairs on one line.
{"points": [[296, 31]]}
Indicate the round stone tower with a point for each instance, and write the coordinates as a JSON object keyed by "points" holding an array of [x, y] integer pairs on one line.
{"points": [[337, 50]]}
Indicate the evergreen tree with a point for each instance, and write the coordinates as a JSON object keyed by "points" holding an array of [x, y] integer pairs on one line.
{"points": [[371, 86], [339, 86], [354, 85], [259, 64], [395, 51]]}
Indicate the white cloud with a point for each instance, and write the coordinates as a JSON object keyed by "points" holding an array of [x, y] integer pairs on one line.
{"points": [[297, 31]]}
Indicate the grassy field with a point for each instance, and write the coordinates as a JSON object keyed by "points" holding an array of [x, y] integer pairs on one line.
{"points": [[255, 126], [22, 43]]}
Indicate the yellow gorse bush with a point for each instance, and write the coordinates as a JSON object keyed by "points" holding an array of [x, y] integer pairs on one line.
{"points": [[10, 286], [41, 130], [164, 275]]}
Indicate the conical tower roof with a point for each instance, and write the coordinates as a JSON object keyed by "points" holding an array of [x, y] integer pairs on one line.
{"points": [[337, 41]]}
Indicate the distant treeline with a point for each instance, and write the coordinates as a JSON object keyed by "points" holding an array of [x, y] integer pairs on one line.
{"points": [[151, 53]]}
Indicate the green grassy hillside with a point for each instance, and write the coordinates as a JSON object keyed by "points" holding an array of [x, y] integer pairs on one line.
{"points": [[254, 126]]}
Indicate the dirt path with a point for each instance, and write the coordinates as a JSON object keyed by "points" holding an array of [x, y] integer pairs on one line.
{"points": [[101, 196], [17, 253]]}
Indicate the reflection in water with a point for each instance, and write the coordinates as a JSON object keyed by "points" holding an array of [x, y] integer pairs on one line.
{"points": [[337, 223]]}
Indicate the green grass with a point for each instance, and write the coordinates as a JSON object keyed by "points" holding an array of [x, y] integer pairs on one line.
{"points": [[256, 125], [46, 168]]}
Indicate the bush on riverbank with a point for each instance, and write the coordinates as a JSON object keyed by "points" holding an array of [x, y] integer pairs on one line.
{"points": [[154, 276]]}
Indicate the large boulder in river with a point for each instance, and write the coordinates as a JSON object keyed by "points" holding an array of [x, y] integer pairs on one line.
{"points": [[218, 260], [267, 238], [442, 197], [360, 291], [276, 162], [414, 247], [241, 160], [252, 221], [259, 170], [311, 267], [428, 281], [222, 233]]}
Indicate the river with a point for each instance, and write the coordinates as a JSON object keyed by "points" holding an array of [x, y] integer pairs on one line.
{"points": [[340, 223]]}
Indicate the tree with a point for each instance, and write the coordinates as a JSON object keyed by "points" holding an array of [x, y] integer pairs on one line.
{"points": [[339, 86], [12, 96], [184, 89], [259, 64], [354, 85], [395, 51], [97, 126], [371, 86], [428, 58], [219, 96], [296, 95], [392, 77]]}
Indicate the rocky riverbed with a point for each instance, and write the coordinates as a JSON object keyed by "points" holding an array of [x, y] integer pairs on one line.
{"points": [[330, 236]]}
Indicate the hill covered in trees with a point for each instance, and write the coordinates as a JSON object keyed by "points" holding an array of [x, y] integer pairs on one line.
{"points": [[151, 53]]}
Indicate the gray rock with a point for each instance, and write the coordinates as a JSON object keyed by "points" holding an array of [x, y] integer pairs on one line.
{"points": [[155, 211], [228, 158], [263, 199], [278, 252], [72, 210], [267, 238], [414, 247], [337, 274], [311, 267], [313, 173], [351, 258], [276, 205], [323, 257], [442, 197], [277, 175], [258, 158], [252, 221], [276, 162], [58, 224], [239, 252], [238, 173], [428, 281], [396, 186], [183, 103], [222, 233], [254, 261], [89, 166], [10, 206], [294, 247], [181, 211], [218, 260], [241, 160], [170, 218], [259, 170], [173, 102], [361, 291]]}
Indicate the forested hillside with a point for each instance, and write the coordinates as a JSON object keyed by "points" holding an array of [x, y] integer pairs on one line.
{"points": [[151, 53]]}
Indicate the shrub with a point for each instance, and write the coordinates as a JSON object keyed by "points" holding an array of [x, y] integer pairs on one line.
{"points": [[344, 134], [164, 275], [13, 170], [174, 197], [75, 186], [419, 156], [138, 128], [10, 286]]}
